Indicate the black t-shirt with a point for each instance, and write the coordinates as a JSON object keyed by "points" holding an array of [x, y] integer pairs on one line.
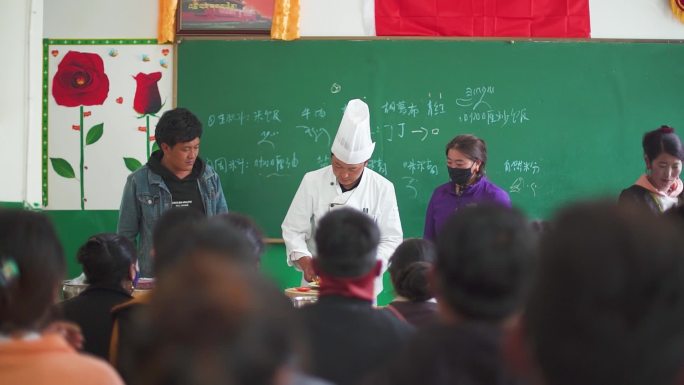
{"points": [[184, 192]]}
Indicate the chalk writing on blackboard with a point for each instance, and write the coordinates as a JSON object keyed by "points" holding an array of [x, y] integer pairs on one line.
{"points": [[265, 135], [323, 160], [335, 88], [519, 185], [318, 113], [490, 117], [423, 132], [426, 166], [226, 166], [276, 163], [475, 96], [391, 129], [316, 133], [522, 166], [400, 107], [227, 118], [411, 185], [271, 115], [378, 165], [267, 116], [435, 106]]}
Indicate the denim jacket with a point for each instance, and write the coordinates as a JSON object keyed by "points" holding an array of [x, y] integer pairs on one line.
{"points": [[146, 197]]}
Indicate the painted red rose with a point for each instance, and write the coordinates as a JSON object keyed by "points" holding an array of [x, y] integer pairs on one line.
{"points": [[80, 80], [147, 99]]}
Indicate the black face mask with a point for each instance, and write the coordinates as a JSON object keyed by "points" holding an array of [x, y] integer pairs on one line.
{"points": [[460, 176]]}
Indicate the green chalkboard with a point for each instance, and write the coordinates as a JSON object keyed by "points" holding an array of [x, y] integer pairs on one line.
{"points": [[563, 120]]}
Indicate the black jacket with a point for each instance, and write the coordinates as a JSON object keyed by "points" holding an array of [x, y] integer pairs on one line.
{"points": [[446, 354], [348, 338], [639, 196], [91, 310]]}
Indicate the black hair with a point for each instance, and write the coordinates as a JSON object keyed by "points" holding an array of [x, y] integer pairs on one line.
{"points": [[106, 259], [172, 235], [181, 232], [347, 242], [249, 229], [225, 239], [235, 327], [32, 266], [409, 267], [607, 306], [472, 147], [662, 140], [485, 257], [177, 126]]}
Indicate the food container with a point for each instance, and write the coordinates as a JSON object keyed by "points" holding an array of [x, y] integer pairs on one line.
{"points": [[71, 289], [303, 300]]}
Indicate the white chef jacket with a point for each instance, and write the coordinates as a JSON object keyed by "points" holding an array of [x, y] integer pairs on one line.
{"points": [[319, 193]]}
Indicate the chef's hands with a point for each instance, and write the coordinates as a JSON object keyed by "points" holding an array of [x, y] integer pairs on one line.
{"points": [[305, 264]]}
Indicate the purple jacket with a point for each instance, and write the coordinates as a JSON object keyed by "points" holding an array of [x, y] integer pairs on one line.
{"points": [[445, 202]]}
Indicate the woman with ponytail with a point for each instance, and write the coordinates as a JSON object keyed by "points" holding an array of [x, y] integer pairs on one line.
{"points": [[409, 267], [110, 265], [466, 157]]}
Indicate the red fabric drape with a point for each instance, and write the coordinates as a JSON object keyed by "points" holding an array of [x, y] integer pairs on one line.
{"points": [[504, 18]]}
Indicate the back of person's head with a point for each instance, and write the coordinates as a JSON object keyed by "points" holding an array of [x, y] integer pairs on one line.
{"points": [[172, 235], [249, 229], [409, 267], [607, 305], [106, 259], [234, 327], [222, 239], [32, 267], [662, 140], [485, 257], [347, 242], [177, 126]]}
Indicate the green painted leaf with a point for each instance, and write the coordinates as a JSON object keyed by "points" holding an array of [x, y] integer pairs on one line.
{"points": [[95, 133], [132, 163], [62, 168], [155, 147]]}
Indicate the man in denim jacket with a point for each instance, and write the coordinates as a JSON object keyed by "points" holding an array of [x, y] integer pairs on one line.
{"points": [[174, 176]]}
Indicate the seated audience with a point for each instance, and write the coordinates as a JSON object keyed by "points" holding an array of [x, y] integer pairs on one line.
{"points": [[485, 257], [348, 337], [607, 306], [172, 236], [184, 231], [234, 327], [409, 268], [109, 265], [32, 266]]}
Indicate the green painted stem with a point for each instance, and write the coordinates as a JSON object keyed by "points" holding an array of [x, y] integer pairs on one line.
{"points": [[82, 161], [147, 131]]}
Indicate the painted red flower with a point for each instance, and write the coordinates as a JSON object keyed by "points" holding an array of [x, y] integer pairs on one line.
{"points": [[80, 80], [147, 99]]}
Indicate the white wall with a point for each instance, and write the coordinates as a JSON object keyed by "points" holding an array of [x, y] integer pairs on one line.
{"points": [[634, 19], [14, 86], [99, 19], [336, 18]]}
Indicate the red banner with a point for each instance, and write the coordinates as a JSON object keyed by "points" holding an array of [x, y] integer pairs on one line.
{"points": [[503, 18]]}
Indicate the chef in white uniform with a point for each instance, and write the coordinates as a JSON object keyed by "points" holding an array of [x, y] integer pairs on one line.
{"points": [[347, 182]]}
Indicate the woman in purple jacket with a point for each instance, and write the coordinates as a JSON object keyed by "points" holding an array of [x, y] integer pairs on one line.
{"points": [[466, 159]]}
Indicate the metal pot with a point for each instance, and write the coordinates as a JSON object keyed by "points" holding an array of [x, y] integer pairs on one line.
{"points": [[70, 290]]}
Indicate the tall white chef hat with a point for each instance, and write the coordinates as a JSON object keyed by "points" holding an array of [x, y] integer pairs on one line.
{"points": [[353, 142]]}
